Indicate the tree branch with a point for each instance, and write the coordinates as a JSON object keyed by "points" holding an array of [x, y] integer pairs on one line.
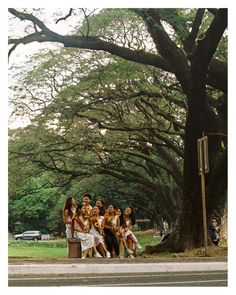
{"points": [[189, 43], [167, 48], [65, 17], [94, 43], [207, 46]]}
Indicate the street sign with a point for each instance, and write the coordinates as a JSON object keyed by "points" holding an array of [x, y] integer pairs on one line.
{"points": [[203, 160]]}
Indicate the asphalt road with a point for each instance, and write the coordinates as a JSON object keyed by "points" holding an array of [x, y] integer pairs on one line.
{"points": [[118, 273], [169, 279]]}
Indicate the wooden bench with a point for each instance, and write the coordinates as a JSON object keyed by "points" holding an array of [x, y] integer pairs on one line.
{"points": [[74, 248]]}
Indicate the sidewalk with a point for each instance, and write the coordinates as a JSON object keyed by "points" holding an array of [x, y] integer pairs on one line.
{"points": [[90, 266]]}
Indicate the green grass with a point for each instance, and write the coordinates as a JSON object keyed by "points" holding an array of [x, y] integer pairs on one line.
{"points": [[39, 249], [58, 248], [148, 240], [36, 252]]}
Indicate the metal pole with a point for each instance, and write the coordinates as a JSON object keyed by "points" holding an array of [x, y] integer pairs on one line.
{"points": [[204, 211], [204, 198]]}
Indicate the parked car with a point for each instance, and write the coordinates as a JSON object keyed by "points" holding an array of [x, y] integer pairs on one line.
{"points": [[29, 235]]}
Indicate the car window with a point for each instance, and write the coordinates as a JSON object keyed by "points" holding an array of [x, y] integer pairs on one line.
{"points": [[31, 232]]}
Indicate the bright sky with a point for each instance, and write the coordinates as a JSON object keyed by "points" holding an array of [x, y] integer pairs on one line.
{"points": [[19, 54]]}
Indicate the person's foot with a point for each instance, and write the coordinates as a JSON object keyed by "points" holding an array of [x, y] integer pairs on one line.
{"points": [[130, 256], [138, 246], [120, 256], [129, 251], [83, 257], [97, 255], [108, 254]]}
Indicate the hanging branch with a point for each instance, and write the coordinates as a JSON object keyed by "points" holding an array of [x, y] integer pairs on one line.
{"points": [[87, 21]]}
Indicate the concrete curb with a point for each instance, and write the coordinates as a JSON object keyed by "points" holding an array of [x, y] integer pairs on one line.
{"points": [[42, 269]]}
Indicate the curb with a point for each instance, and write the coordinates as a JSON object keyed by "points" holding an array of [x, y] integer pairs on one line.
{"points": [[47, 269]]}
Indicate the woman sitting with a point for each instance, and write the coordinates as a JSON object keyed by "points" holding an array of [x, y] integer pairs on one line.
{"points": [[96, 229], [110, 230], [120, 234], [80, 227], [129, 221]]}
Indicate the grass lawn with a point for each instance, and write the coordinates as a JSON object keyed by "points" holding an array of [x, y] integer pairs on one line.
{"points": [[37, 249], [58, 248], [36, 252]]}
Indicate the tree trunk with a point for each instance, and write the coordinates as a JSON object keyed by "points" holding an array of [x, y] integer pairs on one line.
{"points": [[224, 225]]}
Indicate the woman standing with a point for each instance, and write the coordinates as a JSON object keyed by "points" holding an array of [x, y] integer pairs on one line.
{"points": [[68, 214], [110, 228], [80, 227]]}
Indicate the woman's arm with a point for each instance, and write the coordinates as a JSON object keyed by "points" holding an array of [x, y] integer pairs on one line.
{"points": [[65, 216], [78, 225]]}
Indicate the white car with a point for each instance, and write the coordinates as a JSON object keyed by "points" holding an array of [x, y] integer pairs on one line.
{"points": [[29, 235]]}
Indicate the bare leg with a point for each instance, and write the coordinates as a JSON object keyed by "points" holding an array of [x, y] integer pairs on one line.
{"points": [[133, 238], [120, 245], [86, 252], [101, 249], [129, 242], [94, 249], [125, 244]]}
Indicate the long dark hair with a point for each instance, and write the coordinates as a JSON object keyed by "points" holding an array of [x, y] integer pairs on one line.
{"points": [[78, 209], [113, 205], [77, 213], [102, 209], [122, 222], [67, 206], [132, 215]]}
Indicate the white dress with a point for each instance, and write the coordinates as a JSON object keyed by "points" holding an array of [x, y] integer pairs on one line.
{"points": [[114, 221], [98, 238], [87, 240], [128, 232], [68, 225]]}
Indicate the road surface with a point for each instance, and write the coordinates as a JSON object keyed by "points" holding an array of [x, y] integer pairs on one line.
{"points": [[177, 279], [119, 274]]}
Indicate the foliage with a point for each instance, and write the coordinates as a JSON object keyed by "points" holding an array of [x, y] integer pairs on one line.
{"points": [[31, 210]]}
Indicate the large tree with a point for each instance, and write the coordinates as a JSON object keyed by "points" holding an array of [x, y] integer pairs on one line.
{"points": [[186, 44]]}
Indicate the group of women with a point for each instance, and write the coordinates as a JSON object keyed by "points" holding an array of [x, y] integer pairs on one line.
{"points": [[102, 231]]}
